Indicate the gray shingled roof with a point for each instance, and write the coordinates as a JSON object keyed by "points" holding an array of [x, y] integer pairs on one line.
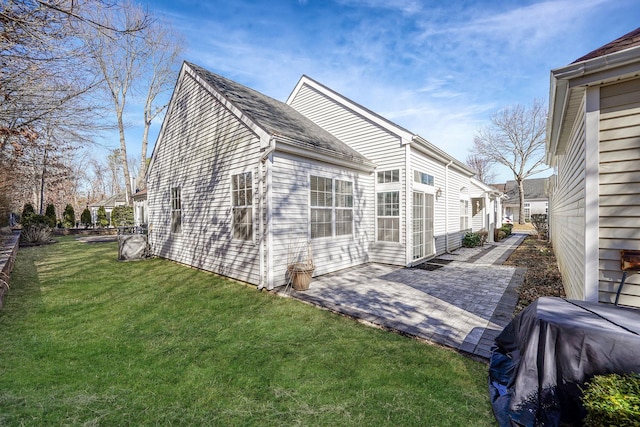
{"points": [[276, 117], [533, 189], [627, 41]]}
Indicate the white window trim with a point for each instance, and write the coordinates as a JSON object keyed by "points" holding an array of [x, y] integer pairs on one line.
{"points": [[333, 207], [172, 210], [253, 192], [384, 189]]}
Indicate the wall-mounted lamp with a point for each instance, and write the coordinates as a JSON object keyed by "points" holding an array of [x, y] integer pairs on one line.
{"points": [[438, 193]]}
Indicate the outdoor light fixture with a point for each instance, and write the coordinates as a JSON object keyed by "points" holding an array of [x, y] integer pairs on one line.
{"points": [[438, 193]]}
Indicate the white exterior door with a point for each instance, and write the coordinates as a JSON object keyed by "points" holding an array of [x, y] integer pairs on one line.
{"points": [[422, 225]]}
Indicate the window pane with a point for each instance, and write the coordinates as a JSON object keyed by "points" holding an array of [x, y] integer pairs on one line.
{"points": [[395, 175]]}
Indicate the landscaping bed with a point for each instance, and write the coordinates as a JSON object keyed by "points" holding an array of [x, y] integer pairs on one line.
{"points": [[542, 277]]}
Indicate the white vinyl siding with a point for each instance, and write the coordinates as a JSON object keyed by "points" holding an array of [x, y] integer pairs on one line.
{"points": [[371, 140], [200, 141], [567, 211], [291, 221], [619, 188]]}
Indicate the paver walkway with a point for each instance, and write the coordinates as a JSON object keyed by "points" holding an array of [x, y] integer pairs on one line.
{"points": [[463, 303]]}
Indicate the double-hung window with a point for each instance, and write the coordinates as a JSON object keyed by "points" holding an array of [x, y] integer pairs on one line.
{"points": [[331, 203], [176, 210], [388, 206], [464, 214], [242, 206], [388, 216]]}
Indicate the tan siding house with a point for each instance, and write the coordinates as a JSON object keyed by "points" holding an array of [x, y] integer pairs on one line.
{"points": [[593, 140]]}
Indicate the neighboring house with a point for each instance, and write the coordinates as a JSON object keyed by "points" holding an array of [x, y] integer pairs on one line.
{"points": [[108, 203], [536, 200], [238, 181], [593, 140], [140, 209]]}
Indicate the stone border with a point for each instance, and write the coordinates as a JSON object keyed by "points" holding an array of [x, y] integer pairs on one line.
{"points": [[7, 257]]}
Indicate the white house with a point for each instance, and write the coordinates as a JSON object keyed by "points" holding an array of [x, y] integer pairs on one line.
{"points": [[237, 180], [593, 140], [536, 200], [109, 203]]}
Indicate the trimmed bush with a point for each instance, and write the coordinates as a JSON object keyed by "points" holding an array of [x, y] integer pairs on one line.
{"points": [[69, 218], [102, 219], [50, 213], [471, 240], [612, 400], [539, 222], [34, 219], [122, 216], [27, 211], [85, 218]]}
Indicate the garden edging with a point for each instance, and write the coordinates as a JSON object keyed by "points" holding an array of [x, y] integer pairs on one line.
{"points": [[8, 254]]}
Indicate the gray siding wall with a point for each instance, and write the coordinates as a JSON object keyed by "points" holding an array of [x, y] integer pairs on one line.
{"points": [[567, 211], [619, 187], [291, 213], [202, 144]]}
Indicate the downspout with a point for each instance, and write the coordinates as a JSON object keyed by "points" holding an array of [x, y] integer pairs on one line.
{"points": [[446, 205], [264, 169]]}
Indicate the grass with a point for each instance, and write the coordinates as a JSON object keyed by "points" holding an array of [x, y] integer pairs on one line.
{"points": [[88, 340]]}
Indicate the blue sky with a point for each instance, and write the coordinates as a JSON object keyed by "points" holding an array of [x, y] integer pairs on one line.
{"points": [[437, 68]]}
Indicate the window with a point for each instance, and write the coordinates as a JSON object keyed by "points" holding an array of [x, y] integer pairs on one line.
{"points": [[423, 178], [464, 214], [388, 214], [344, 207], [330, 203], [385, 177], [176, 210], [242, 206], [527, 211]]}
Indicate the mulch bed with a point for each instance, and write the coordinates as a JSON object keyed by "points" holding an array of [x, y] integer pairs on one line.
{"points": [[542, 277]]}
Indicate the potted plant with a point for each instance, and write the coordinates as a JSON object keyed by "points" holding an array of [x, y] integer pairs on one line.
{"points": [[300, 267]]}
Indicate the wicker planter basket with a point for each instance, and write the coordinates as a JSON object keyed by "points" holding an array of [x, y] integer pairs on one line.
{"points": [[300, 275]]}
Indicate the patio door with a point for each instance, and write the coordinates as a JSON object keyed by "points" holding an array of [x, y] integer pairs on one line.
{"points": [[422, 225]]}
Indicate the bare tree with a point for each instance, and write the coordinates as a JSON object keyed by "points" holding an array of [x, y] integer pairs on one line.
{"points": [[119, 61], [130, 62], [483, 167], [516, 139], [164, 46], [44, 83]]}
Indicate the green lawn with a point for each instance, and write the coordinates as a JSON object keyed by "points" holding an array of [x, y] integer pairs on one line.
{"points": [[88, 340]]}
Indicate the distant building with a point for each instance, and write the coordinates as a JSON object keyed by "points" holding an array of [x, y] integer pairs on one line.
{"points": [[108, 203], [536, 200]]}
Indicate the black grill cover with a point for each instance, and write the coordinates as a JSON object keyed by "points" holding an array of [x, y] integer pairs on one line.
{"points": [[542, 358]]}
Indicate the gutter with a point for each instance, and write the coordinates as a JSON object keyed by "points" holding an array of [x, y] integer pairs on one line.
{"points": [[265, 229]]}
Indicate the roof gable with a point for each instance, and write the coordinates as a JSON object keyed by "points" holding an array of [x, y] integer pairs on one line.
{"points": [[627, 41], [406, 136], [277, 118]]}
